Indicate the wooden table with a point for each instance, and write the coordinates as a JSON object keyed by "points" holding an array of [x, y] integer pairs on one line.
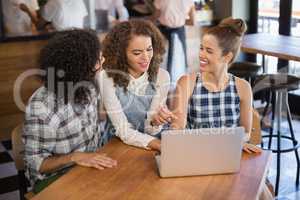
{"points": [[136, 177], [280, 46]]}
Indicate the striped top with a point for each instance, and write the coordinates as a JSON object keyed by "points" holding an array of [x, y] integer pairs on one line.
{"points": [[213, 109]]}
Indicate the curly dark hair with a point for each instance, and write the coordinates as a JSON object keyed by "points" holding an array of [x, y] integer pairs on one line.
{"points": [[116, 43], [69, 59]]}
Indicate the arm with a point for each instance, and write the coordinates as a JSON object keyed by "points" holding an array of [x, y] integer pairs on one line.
{"points": [[31, 13], [158, 101], [39, 135], [184, 90], [39, 22], [124, 129], [122, 11], [245, 94], [191, 20], [156, 11], [96, 160]]}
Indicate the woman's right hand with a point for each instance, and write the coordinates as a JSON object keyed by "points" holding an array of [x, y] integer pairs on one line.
{"points": [[163, 116], [93, 159]]}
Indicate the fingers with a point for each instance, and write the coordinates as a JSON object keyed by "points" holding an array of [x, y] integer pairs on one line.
{"points": [[105, 161], [246, 150], [169, 113], [250, 148], [163, 116], [98, 161]]}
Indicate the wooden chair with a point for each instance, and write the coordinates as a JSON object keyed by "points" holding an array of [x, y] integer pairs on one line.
{"points": [[18, 155]]}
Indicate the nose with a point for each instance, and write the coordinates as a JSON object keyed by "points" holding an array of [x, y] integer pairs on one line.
{"points": [[145, 56]]}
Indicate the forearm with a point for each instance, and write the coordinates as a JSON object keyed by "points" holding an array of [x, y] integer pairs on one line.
{"points": [[54, 163], [191, 20], [179, 123]]}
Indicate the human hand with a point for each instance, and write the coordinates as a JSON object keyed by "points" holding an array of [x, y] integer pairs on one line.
{"points": [[95, 160], [250, 148], [155, 144], [163, 116]]}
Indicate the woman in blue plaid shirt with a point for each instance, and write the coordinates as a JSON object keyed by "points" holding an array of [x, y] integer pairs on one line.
{"points": [[213, 97]]}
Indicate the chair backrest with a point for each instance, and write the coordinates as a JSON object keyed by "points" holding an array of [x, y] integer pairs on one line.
{"points": [[255, 137], [18, 147]]}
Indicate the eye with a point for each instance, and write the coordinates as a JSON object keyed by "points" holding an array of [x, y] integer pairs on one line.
{"points": [[150, 49], [210, 51]]}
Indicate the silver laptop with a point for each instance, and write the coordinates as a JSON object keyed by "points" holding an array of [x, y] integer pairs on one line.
{"points": [[200, 151]]}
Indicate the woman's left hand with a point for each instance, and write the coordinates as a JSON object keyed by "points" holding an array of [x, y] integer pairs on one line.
{"points": [[251, 148]]}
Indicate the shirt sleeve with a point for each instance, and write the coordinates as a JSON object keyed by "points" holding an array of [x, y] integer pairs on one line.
{"points": [[160, 99], [34, 5], [124, 130], [39, 139], [50, 10]]}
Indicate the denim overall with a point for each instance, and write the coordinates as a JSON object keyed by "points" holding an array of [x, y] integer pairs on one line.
{"points": [[135, 108]]}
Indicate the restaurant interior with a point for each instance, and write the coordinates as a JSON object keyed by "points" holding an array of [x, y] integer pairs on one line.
{"points": [[269, 59]]}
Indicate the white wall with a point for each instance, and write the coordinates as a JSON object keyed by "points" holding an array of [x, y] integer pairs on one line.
{"points": [[240, 9], [231, 8]]}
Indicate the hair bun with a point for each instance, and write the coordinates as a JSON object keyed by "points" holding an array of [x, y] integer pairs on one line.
{"points": [[238, 26]]}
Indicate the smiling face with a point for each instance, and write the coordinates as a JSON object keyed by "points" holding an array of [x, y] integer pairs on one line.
{"points": [[139, 54], [211, 57]]}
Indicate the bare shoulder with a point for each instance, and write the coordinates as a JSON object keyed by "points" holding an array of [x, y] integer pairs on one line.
{"points": [[186, 84], [243, 88], [187, 79]]}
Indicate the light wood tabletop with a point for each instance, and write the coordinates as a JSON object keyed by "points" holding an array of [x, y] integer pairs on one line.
{"points": [[136, 177], [280, 46]]}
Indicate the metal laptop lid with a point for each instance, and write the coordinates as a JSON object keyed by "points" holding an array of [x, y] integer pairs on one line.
{"points": [[201, 151]]}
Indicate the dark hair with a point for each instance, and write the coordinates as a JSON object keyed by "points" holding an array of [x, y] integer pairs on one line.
{"points": [[68, 59], [116, 43], [229, 34]]}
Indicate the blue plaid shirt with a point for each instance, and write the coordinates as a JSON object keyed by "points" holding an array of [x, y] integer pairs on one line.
{"points": [[214, 109]]}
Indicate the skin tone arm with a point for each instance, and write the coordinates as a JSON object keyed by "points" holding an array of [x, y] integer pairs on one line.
{"points": [[245, 93], [191, 20], [184, 90], [155, 15], [96, 160], [36, 19]]}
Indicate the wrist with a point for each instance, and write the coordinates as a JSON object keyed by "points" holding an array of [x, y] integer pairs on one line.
{"points": [[74, 157]]}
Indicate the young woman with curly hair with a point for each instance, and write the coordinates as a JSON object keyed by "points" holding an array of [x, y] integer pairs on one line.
{"points": [[134, 88], [61, 125]]}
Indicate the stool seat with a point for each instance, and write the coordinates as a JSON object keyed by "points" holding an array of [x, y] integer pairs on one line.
{"points": [[244, 69], [277, 81]]}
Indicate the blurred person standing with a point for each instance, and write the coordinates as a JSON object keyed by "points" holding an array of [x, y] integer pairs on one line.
{"points": [[62, 14], [172, 16]]}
